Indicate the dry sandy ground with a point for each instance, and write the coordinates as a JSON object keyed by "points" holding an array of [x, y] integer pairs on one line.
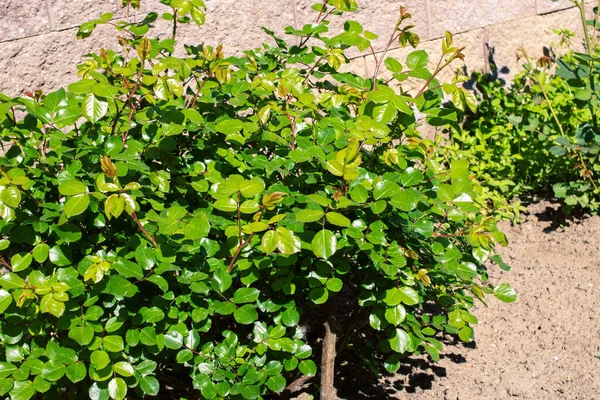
{"points": [[545, 345]]}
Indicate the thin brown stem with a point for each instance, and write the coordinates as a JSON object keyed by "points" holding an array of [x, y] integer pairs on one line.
{"points": [[239, 218], [293, 128], [199, 89], [379, 61], [238, 251], [295, 386], [439, 68], [174, 35], [144, 231], [3, 262]]}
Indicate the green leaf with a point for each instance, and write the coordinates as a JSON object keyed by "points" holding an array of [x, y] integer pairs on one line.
{"points": [[76, 372], [335, 285], [269, 241], [83, 335], [128, 269], [93, 108], [395, 315], [20, 263], [406, 200], [558, 151], [5, 301], [50, 305], [309, 215], [173, 340], [277, 383], [113, 343], [308, 367], [6, 385], [22, 390], [385, 189], [119, 286], [227, 205], [53, 371], [58, 257], [393, 65], [319, 295], [40, 252], [288, 242], [338, 219], [11, 196], [99, 359], [12, 281], [229, 126], [77, 205], [149, 385], [384, 113], [400, 341], [245, 295], [72, 187], [583, 94], [417, 59], [184, 356], [246, 314], [324, 244], [411, 176], [123, 368], [197, 228], [117, 388], [465, 333], [223, 279], [406, 295], [335, 167], [290, 317], [252, 187], [505, 293], [359, 194], [148, 336]]}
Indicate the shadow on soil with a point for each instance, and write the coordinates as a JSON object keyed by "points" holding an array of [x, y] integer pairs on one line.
{"points": [[559, 216], [355, 381]]}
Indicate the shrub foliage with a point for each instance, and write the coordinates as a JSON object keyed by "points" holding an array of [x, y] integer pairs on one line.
{"points": [[184, 226], [541, 133]]}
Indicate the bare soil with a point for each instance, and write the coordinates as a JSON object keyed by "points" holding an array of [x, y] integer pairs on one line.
{"points": [[543, 346]]}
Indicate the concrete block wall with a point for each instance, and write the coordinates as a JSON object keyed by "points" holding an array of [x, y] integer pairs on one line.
{"points": [[38, 48]]}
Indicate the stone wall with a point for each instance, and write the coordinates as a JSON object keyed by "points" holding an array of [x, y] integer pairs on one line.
{"points": [[38, 48]]}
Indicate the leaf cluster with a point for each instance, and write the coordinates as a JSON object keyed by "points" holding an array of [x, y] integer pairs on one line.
{"points": [[175, 226]]}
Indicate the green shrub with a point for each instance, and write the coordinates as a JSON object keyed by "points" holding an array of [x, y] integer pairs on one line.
{"points": [[540, 134], [184, 227]]}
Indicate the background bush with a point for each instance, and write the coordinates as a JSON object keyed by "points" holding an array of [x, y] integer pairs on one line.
{"points": [[540, 133]]}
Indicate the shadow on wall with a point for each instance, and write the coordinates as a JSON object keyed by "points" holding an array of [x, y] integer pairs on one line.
{"points": [[493, 72]]}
